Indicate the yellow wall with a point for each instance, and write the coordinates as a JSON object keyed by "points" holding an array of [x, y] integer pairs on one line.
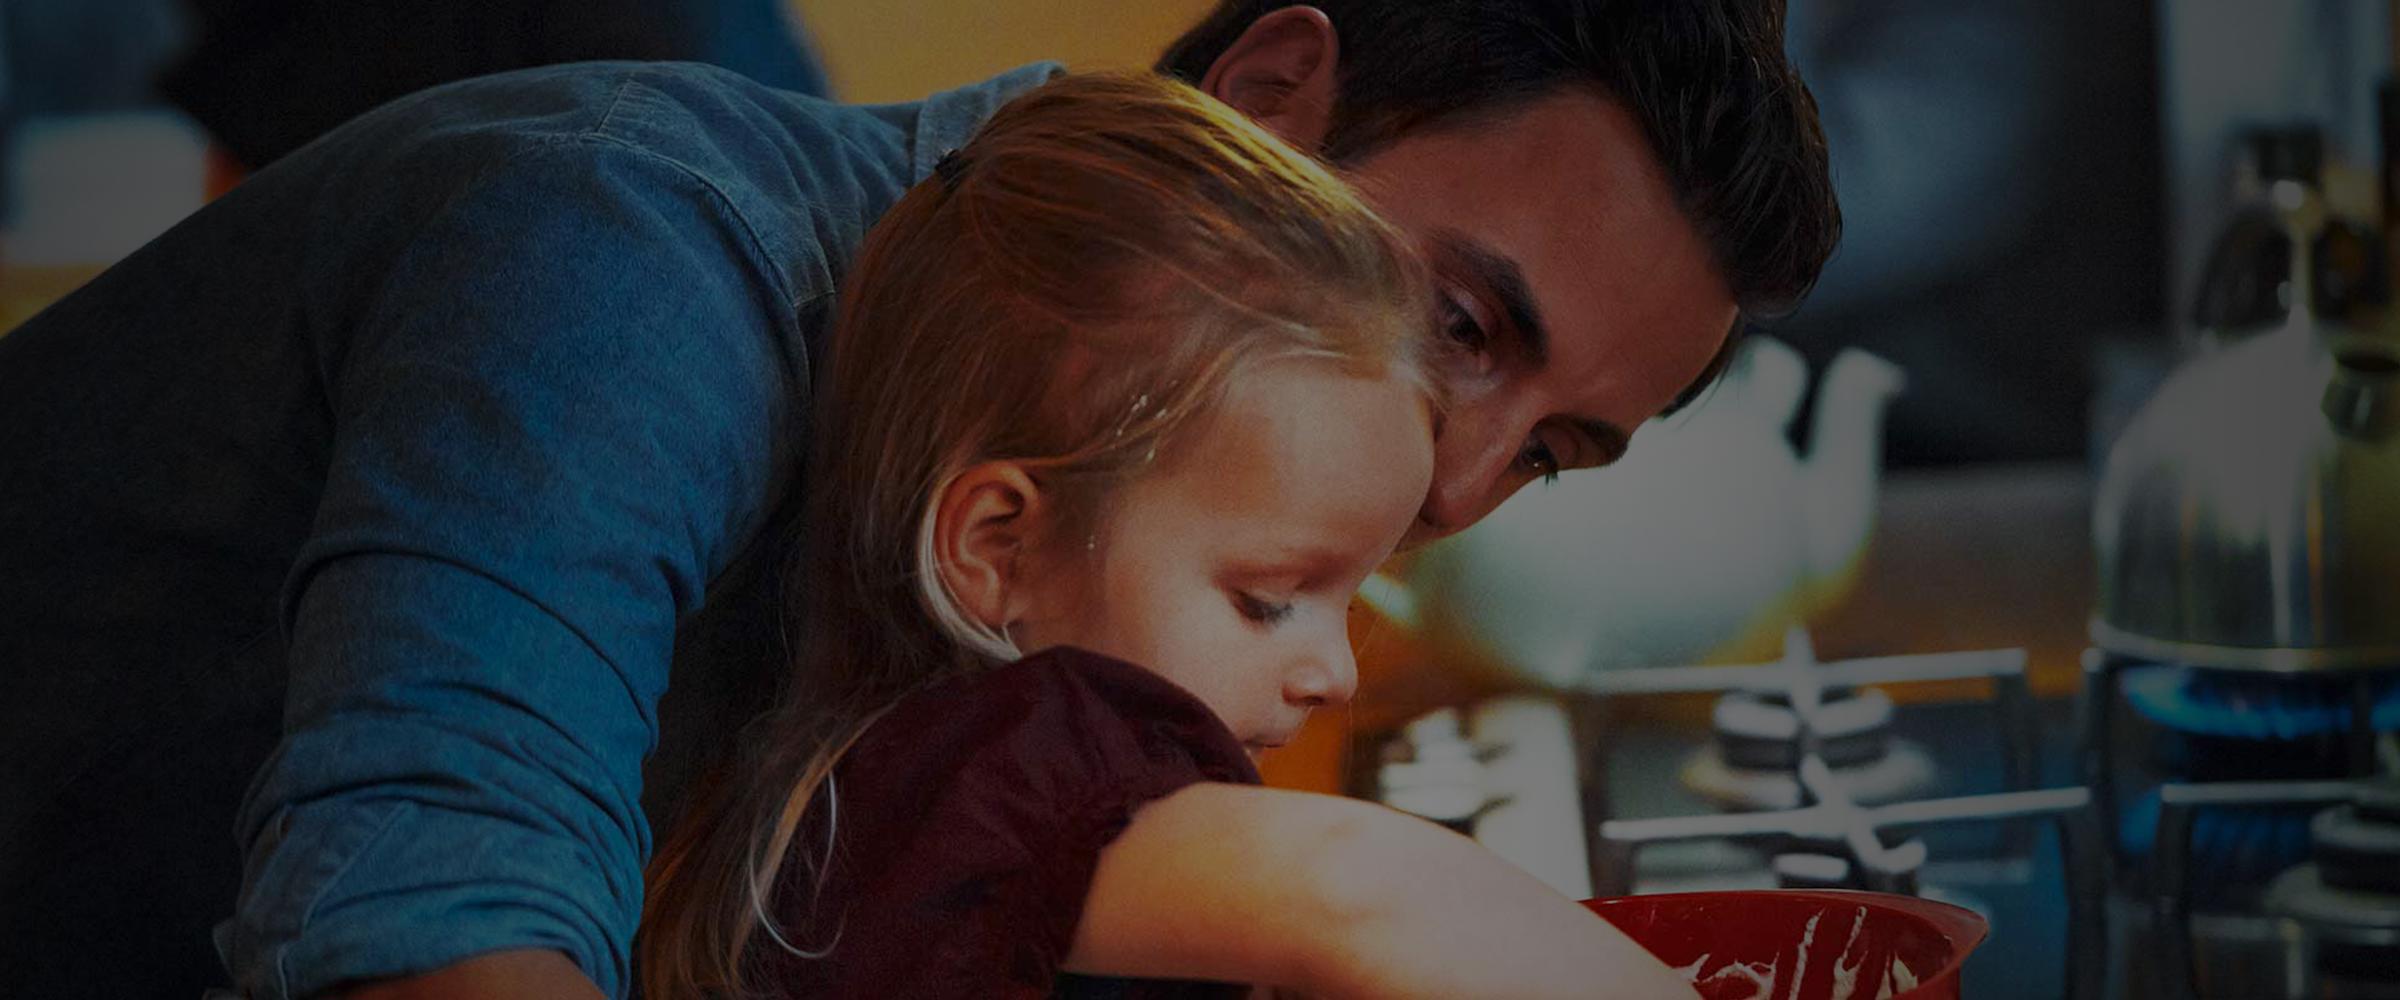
{"points": [[897, 50]]}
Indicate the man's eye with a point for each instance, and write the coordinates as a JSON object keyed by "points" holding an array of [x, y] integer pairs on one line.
{"points": [[1261, 610], [1537, 459], [1462, 328]]}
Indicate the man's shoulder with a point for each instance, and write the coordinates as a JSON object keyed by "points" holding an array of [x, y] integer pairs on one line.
{"points": [[711, 122], [801, 177], [793, 181], [714, 119], [709, 118], [613, 98]]}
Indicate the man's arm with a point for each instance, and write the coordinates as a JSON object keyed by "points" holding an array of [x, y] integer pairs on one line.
{"points": [[507, 975], [562, 413], [1341, 898]]}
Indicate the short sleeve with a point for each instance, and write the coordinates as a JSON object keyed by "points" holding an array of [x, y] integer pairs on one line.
{"points": [[971, 819]]}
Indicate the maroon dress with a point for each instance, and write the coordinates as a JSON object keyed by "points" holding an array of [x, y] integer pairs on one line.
{"points": [[970, 819]]}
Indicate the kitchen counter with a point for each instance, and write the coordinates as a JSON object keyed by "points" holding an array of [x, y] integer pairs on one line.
{"points": [[1977, 557], [1974, 557]]}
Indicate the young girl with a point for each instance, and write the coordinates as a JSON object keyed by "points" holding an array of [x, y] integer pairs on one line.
{"points": [[1133, 388]]}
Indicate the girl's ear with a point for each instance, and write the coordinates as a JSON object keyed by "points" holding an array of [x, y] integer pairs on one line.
{"points": [[985, 526], [1281, 72]]}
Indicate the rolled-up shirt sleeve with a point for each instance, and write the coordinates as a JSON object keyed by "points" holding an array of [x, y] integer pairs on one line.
{"points": [[570, 401]]}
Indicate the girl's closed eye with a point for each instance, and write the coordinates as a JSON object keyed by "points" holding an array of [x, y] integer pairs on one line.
{"points": [[1260, 610]]}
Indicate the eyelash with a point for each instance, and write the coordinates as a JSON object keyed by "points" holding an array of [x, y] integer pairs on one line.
{"points": [[1460, 326], [1538, 459], [1261, 611]]}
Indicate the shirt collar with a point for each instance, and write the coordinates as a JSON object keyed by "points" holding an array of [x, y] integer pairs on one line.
{"points": [[948, 119]]}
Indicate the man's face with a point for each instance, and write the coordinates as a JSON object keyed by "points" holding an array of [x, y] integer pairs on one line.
{"points": [[1578, 299]]}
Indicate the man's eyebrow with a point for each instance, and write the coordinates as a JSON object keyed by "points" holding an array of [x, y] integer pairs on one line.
{"points": [[1506, 282]]}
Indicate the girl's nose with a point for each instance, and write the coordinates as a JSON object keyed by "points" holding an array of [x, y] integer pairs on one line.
{"points": [[1328, 678]]}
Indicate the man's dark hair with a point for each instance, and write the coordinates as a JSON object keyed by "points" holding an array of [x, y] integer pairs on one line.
{"points": [[1731, 122]]}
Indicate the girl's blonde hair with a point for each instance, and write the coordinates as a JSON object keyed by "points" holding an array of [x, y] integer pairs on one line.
{"points": [[1071, 291]]}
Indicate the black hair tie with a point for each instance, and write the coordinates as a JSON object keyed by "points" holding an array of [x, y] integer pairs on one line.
{"points": [[949, 168]]}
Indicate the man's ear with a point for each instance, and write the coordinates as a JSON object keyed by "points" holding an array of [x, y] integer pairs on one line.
{"points": [[1281, 73], [985, 527]]}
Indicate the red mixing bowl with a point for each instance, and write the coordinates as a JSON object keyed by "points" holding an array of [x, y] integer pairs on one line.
{"points": [[1836, 945]]}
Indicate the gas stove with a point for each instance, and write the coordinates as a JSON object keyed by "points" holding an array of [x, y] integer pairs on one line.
{"points": [[1809, 775], [2066, 825], [2256, 822]]}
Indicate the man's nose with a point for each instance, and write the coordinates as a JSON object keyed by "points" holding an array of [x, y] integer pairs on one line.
{"points": [[1328, 678]]}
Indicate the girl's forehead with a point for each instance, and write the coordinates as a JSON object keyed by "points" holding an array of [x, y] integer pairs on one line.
{"points": [[1305, 460]]}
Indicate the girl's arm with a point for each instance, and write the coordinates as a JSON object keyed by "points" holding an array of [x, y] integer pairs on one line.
{"points": [[1344, 899]]}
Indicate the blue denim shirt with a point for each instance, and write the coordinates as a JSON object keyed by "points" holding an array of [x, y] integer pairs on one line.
{"points": [[475, 398]]}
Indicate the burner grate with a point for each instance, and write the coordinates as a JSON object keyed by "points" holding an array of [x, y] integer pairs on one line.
{"points": [[2351, 925], [2237, 847], [1802, 751]]}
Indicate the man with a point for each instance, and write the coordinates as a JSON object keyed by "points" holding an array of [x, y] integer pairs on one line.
{"points": [[498, 387]]}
